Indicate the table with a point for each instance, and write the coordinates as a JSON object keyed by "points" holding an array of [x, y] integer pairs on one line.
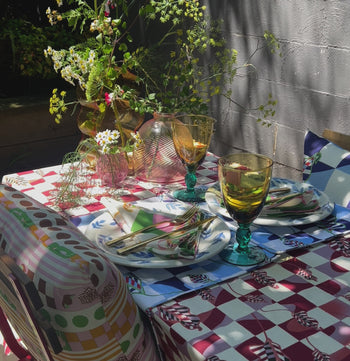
{"points": [[297, 309], [297, 305]]}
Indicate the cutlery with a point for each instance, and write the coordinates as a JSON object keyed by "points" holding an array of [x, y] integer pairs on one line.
{"points": [[279, 190], [273, 190], [182, 218], [166, 235]]}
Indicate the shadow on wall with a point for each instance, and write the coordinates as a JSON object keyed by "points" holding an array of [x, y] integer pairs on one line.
{"points": [[241, 111]]}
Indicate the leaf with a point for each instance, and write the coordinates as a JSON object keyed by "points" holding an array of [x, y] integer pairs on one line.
{"points": [[262, 278], [123, 47], [341, 244], [305, 320], [305, 274], [205, 294], [269, 351], [320, 356], [254, 298], [181, 314]]}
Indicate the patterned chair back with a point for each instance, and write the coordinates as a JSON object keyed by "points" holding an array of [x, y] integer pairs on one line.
{"points": [[21, 302], [85, 299]]}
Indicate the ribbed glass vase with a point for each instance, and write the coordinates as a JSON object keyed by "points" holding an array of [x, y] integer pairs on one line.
{"points": [[112, 169], [156, 159]]}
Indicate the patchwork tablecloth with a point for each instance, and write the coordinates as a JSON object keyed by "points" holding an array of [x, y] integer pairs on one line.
{"points": [[196, 316], [153, 286]]}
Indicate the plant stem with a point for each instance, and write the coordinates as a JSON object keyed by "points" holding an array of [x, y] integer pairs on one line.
{"points": [[96, 8]]}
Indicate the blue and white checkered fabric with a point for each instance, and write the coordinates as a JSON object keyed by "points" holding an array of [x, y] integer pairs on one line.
{"points": [[327, 167]]}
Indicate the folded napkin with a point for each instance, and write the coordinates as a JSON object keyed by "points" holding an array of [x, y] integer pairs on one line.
{"points": [[293, 204], [131, 218]]}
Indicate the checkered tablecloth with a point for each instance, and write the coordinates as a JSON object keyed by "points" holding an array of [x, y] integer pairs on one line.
{"points": [[42, 184], [296, 310]]}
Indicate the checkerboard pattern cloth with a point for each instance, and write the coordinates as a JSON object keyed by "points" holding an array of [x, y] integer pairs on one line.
{"points": [[327, 167], [297, 309], [42, 184]]}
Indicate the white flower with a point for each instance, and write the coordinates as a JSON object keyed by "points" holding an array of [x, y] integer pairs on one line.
{"points": [[114, 135], [137, 138], [94, 25], [105, 149]]}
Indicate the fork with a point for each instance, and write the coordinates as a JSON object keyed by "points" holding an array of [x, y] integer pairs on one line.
{"points": [[182, 218], [173, 234]]}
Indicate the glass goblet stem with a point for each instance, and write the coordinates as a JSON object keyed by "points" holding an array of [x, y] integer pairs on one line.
{"points": [[190, 179], [243, 237]]}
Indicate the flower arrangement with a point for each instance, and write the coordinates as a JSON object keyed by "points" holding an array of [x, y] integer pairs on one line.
{"points": [[108, 142], [98, 159], [160, 71]]}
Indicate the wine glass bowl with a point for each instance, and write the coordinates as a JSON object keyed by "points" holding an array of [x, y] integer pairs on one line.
{"points": [[191, 137], [244, 182]]}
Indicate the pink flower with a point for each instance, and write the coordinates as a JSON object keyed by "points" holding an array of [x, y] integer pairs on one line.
{"points": [[108, 98]]}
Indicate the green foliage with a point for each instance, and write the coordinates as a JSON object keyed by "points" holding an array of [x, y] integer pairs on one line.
{"points": [[27, 42], [183, 62], [272, 43], [267, 111]]}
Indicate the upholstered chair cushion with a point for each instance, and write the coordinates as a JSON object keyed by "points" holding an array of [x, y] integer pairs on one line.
{"points": [[327, 167], [85, 297]]}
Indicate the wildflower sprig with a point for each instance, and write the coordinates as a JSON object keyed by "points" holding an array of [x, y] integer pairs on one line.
{"points": [[74, 66], [58, 105], [108, 142]]}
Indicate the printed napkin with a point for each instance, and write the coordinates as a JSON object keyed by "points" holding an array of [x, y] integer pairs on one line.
{"points": [[131, 218], [293, 204]]}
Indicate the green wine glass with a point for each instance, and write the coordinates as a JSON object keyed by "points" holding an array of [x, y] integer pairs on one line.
{"points": [[191, 137], [244, 181]]}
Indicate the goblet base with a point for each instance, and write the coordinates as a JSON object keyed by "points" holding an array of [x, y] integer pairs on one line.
{"points": [[198, 195], [254, 256]]}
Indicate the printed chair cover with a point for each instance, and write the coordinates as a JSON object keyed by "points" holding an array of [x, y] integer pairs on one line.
{"points": [[327, 167], [85, 297]]}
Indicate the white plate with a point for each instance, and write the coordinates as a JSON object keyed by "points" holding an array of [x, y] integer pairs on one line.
{"points": [[326, 207], [212, 241]]}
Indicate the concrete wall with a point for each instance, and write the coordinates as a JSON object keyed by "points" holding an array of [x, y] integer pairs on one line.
{"points": [[311, 80]]}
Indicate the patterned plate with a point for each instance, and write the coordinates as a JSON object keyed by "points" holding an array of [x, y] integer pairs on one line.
{"points": [[212, 241], [326, 207]]}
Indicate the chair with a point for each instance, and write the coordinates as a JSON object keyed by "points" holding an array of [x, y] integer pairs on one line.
{"points": [[341, 140], [62, 296], [21, 302], [327, 165]]}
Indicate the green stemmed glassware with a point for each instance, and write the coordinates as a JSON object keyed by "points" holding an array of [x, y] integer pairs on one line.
{"points": [[191, 137], [244, 181]]}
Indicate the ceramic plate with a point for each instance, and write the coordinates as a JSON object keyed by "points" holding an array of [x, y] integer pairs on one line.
{"points": [[212, 241], [326, 207]]}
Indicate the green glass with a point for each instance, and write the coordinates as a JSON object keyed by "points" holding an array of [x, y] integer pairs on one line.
{"points": [[191, 137], [244, 181]]}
